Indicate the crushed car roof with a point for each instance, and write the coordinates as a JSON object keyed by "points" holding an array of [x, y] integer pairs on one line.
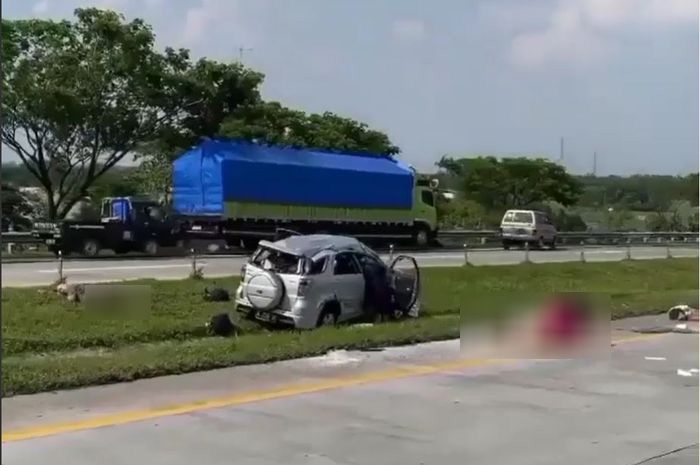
{"points": [[308, 246]]}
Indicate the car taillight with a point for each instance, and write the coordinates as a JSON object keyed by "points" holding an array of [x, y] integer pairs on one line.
{"points": [[304, 285]]}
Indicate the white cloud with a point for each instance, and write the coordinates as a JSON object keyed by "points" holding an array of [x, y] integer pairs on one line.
{"points": [[408, 30], [607, 13], [41, 7], [201, 19], [574, 34]]}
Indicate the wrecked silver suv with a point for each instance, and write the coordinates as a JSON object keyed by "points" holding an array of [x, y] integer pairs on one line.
{"points": [[317, 280]]}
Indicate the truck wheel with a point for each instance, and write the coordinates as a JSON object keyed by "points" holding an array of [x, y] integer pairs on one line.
{"points": [[421, 237], [91, 248], [151, 247]]}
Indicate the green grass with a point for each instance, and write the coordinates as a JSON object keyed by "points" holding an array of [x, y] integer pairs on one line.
{"points": [[50, 344]]}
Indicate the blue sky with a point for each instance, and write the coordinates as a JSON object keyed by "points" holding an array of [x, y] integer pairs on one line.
{"points": [[463, 77]]}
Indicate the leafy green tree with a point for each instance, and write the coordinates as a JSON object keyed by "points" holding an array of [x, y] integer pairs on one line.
{"points": [[16, 208], [79, 96], [272, 123], [513, 182]]}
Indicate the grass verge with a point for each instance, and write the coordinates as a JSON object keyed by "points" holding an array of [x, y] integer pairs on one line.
{"points": [[51, 344]]}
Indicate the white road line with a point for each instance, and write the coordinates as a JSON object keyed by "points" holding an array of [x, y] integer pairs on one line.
{"points": [[655, 358], [118, 268]]}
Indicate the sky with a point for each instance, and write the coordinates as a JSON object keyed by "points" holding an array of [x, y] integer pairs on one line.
{"points": [[462, 77]]}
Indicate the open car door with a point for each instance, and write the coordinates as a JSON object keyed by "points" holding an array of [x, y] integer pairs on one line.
{"points": [[405, 284]]}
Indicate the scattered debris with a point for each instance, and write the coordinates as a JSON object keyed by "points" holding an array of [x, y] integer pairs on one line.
{"points": [[682, 313], [216, 295], [685, 373], [221, 325]]}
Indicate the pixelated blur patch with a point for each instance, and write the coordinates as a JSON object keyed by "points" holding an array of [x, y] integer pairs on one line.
{"points": [[117, 301], [536, 326]]}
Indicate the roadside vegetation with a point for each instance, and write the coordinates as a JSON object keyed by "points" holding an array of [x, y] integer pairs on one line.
{"points": [[49, 343]]}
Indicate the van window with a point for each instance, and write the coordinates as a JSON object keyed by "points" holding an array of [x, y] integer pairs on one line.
{"points": [[427, 198], [542, 218], [518, 217]]}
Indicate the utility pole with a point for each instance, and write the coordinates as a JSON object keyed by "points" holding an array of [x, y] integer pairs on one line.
{"points": [[240, 52], [595, 163], [561, 151]]}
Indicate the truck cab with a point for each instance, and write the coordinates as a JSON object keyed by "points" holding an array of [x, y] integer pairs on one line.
{"points": [[126, 224], [425, 212]]}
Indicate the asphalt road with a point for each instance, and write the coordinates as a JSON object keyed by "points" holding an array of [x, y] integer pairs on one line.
{"points": [[44, 273], [413, 405]]}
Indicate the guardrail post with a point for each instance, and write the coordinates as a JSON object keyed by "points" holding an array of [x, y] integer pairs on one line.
{"points": [[645, 239], [668, 251], [583, 252], [527, 253], [194, 262], [466, 253], [483, 241], [60, 266], [391, 252], [628, 253]]}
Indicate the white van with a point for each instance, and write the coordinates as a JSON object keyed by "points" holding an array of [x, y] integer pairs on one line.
{"points": [[520, 227]]}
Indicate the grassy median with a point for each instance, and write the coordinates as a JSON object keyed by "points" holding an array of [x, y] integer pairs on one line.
{"points": [[49, 343]]}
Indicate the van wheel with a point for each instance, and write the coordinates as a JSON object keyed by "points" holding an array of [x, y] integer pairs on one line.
{"points": [[553, 244], [506, 245], [329, 315], [91, 247]]}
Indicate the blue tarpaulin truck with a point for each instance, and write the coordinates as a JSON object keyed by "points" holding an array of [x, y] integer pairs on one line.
{"points": [[244, 192]]}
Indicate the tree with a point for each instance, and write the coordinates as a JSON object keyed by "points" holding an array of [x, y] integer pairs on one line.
{"points": [[218, 90], [16, 208], [79, 96], [272, 123], [514, 182]]}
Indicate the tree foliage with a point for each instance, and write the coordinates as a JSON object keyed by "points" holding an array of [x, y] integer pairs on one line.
{"points": [[513, 182], [16, 208], [272, 123], [79, 96]]}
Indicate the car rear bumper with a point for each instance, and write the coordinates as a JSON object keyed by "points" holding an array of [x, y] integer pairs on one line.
{"points": [[277, 317]]}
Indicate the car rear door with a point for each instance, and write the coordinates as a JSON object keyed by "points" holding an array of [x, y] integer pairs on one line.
{"points": [[349, 284]]}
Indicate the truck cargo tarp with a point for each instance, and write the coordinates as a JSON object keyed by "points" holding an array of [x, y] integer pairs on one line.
{"points": [[219, 171]]}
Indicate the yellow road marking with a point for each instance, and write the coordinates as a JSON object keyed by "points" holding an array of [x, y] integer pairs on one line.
{"points": [[256, 396]]}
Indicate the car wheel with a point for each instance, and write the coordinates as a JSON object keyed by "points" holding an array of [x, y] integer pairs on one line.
{"points": [[506, 245], [328, 317], [553, 244], [91, 248]]}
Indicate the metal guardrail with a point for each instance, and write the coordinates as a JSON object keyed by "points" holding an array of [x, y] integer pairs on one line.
{"points": [[17, 237], [458, 238], [26, 237]]}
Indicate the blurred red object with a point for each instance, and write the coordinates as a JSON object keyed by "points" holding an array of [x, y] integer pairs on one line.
{"points": [[564, 321]]}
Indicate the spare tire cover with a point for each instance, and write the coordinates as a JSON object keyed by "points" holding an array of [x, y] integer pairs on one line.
{"points": [[264, 290]]}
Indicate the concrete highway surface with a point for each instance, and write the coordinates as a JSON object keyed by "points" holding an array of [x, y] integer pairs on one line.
{"points": [[102, 270], [425, 404]]}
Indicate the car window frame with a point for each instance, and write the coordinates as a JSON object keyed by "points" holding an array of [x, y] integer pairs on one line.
{"points": [[356, 264]]}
